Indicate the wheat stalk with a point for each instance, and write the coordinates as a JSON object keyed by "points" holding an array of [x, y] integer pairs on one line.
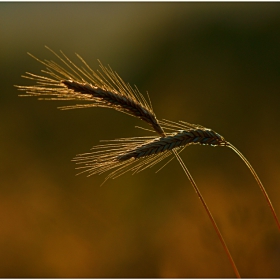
{"points": [[105, 88]]}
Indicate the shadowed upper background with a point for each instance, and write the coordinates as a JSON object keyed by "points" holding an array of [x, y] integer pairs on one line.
{"points": [[215, 64]]}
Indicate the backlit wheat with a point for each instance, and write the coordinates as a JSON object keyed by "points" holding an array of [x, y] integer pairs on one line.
{"points": [[105, 88]]}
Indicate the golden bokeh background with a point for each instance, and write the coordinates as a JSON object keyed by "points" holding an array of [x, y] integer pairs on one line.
{"points": [[215, 64]]}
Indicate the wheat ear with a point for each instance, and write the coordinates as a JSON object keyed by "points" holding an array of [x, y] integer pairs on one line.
{"points": [[138, 153], [104, 88]]}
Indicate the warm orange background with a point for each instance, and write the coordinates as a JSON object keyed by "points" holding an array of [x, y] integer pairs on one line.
{"points": [[213, 64]]}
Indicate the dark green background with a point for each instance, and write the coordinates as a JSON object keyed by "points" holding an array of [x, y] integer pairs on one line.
{"points": [[217, 65]]}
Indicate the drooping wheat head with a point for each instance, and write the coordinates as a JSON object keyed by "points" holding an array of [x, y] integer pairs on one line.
{"points": [[104, 88], [138, 153]]}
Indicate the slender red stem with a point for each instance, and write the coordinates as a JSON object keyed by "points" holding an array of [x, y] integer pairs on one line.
{"points": [[258, 181], [208, 213]]}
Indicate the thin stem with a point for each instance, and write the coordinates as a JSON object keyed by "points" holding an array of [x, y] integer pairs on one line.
{"points": [[208, 212], [258, 181]]}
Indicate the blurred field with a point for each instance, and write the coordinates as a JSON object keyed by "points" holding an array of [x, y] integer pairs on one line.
{"points": [[217, 65]]}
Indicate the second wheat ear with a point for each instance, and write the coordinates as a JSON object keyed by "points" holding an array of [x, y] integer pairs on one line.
{"points": [[66, 81]]}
